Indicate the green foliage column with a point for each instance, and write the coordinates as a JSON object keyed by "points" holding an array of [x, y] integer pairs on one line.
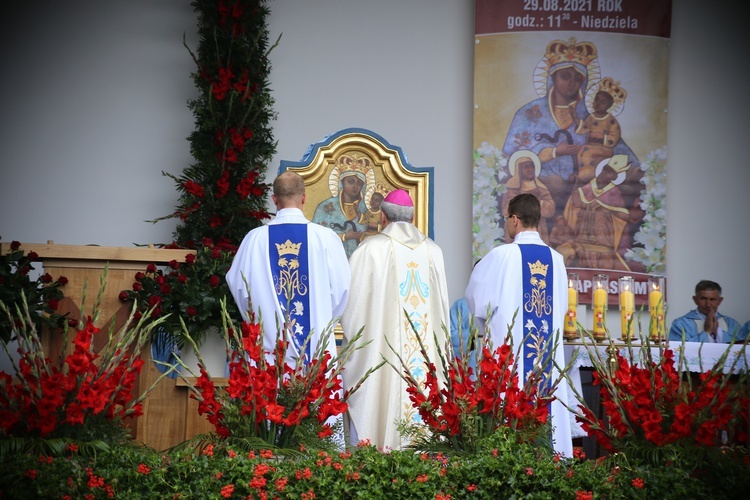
{"points": [[222, 194]]}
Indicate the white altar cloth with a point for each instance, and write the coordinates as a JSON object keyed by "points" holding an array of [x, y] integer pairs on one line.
{"points": [[696, 356]]}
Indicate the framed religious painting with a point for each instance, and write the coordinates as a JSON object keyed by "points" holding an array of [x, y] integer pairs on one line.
{"points": [[348, 174]]}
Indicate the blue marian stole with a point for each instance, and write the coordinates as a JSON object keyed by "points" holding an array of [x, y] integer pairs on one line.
{"points": [[287, 247], [537, 310]]}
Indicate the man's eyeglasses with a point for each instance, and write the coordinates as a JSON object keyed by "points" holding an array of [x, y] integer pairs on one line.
{"points": [[506, 217]]}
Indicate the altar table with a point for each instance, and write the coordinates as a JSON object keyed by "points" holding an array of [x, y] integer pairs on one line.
{"points": [[695, 356]]}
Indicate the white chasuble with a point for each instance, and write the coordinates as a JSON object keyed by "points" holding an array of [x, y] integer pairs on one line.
{"points": [[496, 291], [397, 271], [255, 286]]}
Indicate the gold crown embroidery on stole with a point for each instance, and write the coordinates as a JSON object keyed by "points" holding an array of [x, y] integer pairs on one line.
{"points": [[538, 268], [288, 248]]}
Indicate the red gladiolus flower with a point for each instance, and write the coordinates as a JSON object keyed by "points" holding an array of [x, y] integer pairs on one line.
{"points": [[245, 186], [194, 188], [274, 413], [222, 185], [230, 156], [221, 87], [237, 137]]}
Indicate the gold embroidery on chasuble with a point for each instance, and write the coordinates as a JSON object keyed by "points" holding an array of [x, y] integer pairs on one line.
{"points": [[413, 271]]}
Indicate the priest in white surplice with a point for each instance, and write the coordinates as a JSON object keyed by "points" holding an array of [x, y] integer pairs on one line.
{"points": [[291, 266], [398, 269], [529, 278]]}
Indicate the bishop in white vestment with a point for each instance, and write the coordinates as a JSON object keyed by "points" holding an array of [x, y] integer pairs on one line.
{"points": [[398, 269]]}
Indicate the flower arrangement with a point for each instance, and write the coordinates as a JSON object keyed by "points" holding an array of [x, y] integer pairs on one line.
{"points": [[468, 408], [42, 295], [656, 413], [82, 396], [222, 195], [489, 167], [189, 292], [652, 234], [267, 402]]}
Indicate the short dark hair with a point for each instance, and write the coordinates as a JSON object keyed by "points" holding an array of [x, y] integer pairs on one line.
{"points": [[707, 285], [527, 208]]}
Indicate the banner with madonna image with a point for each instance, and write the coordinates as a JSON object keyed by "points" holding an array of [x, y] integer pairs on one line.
{"points": [[570, 104]]}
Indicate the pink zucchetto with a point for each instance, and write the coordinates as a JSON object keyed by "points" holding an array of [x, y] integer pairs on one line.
{"points": [[399, 197]]}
